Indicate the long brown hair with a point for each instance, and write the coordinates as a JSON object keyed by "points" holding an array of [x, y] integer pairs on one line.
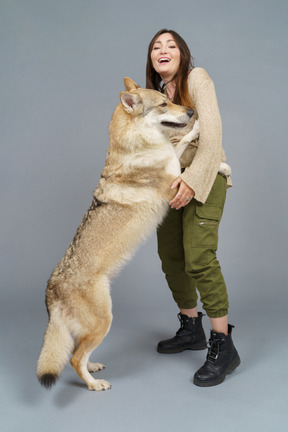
{"points": [[153, 79]]}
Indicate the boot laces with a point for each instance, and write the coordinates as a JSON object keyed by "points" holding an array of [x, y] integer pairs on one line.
{"points": [[213, 349], [182, 324]]}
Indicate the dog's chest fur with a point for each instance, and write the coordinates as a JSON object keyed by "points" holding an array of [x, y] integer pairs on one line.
{"points": [[137, 167]]}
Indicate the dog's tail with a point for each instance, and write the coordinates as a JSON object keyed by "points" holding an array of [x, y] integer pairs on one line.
{"points": [[57, 346]]}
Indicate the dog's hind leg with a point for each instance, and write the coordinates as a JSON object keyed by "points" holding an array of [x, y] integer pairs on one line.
{"points": [[95, 367], [92, 367], [94, 325], [80, 360]]}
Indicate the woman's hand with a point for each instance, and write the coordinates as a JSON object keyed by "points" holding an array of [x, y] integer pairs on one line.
{"points": [[183, 196]]}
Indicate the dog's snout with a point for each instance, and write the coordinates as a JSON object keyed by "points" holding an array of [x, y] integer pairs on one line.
{"points": [[190, 112]]}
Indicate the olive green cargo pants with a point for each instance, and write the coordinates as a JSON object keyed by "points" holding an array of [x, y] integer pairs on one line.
{"points": [[187, 245]]}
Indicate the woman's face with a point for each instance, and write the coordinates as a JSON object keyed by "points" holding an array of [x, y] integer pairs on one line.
{"points": [[166, 56]]}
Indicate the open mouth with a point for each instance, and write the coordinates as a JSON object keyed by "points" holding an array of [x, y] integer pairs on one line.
{"points": [[173, 125], [164, 60]]}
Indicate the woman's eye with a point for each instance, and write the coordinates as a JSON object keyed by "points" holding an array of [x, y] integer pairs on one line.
{"points": [[163, 104]]}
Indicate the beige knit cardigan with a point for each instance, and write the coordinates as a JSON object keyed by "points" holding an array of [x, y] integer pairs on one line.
{"points": [[202, 157]]}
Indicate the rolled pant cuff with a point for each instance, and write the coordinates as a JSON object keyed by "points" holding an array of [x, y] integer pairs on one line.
{"points": [[217, 314], [187, 305]]}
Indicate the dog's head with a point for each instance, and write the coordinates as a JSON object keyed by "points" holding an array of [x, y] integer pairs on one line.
{"points": [[154, 107]]}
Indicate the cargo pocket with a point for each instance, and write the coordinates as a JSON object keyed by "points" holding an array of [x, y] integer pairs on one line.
{"points": [[206, 226]]}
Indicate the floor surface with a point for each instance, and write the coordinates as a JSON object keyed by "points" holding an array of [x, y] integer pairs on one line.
{"points": [[150, 392]]}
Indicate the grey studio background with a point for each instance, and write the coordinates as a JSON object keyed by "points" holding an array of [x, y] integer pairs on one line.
{"points": [[62, 69]]}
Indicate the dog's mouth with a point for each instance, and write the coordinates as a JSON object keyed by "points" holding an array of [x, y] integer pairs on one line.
{"points": [[173, 125]]}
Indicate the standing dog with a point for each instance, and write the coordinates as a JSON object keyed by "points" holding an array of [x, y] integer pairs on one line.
{"points": [[130, 201]]}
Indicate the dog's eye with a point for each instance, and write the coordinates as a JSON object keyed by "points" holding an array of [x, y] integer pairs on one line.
{"points": [[163, 104]]}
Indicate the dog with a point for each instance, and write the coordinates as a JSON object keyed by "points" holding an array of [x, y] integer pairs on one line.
{"points": [[131, 199]]}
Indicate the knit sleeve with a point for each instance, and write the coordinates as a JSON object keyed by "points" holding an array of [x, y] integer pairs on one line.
{"points": [[201, 174]]}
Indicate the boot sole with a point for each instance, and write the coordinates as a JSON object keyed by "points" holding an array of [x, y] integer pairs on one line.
{"points": [[235, 363], [199, 347]]}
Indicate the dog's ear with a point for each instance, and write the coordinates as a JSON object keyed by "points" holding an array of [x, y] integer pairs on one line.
{"points": [[130, 84], [130, 101]]}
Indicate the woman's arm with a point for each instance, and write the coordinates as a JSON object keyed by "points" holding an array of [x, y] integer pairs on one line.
{"points": [[201, 174]]}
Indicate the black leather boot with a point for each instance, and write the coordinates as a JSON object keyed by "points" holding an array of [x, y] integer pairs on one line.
{"points": [[222, 358], [190, 336]]}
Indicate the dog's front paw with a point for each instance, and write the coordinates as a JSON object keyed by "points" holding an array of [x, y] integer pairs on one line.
{"points": [[195, 130], [225, 169], [192, 135], [99, 385], [95, 367]]}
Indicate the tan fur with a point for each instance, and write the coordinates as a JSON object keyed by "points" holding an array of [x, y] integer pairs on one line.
{"points": [[131, 199]]}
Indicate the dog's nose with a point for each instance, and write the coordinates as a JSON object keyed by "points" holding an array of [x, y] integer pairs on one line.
{"points": [[190, 112]]}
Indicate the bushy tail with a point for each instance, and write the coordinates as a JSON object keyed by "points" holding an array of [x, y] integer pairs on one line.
{"points": [[57, 346]]}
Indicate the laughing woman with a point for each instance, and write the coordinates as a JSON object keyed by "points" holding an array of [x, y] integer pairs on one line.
{"points": [[188, 237]]}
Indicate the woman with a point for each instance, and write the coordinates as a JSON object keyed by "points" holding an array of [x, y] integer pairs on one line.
{"points": [[188, 237]]}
